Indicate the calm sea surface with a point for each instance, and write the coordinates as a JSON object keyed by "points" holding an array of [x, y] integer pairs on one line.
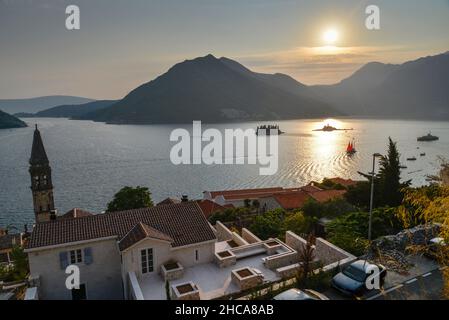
{"points": [[91, 161]]}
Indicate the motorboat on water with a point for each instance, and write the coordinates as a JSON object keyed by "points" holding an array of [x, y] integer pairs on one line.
{"points": [[428, 137]]}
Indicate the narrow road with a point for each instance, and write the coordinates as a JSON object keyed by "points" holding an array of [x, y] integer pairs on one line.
{"points": [[428, 286]]}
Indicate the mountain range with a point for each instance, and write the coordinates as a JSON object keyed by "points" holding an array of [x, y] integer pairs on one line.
{"points": [[222, 90], [33, 105], [416, 89], [70, 111], [213, 90]]}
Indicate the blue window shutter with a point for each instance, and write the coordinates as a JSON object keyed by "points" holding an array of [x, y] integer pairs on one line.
{"points": [[88, 259], [63, 259]]}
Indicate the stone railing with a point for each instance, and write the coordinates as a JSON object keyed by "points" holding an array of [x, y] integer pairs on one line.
{"points": [[280, 260], [135, 292]]}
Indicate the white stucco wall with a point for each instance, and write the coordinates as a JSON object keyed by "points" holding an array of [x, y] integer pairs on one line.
{"points": [[102, 277], [162, 253]]}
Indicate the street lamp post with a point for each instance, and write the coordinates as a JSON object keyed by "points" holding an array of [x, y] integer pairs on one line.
{"points": [[375, 155]]}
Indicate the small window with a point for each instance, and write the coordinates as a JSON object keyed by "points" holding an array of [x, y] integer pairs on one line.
{"points": [[146, 256], [76, 256], [197, 255]]}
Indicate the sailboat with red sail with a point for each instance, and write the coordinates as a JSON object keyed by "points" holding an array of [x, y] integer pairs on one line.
{"points": [[350, 149]]}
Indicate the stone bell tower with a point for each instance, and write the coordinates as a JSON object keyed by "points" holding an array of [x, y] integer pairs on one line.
{"points": [[41, 184]]}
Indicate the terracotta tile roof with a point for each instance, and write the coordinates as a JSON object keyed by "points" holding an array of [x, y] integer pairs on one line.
{"points": [[76, 213], [310, 188], [208, 207], [235, 193], [325, 195], [243, 196], [183, 222], [139, 232], [292, 200], [168, 200]]}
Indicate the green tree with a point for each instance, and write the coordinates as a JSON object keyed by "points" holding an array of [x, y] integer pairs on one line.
{"points": [[331, 208], [20, 268], [269, 224], [388, 188], [130, 198], [297, 223], [429, 205], [389, 177], [228, 215], [306, 257], [350, 231]]}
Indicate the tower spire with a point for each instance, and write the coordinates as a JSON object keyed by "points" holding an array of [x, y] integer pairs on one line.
{"points": [[38, 154], [41, 182]]}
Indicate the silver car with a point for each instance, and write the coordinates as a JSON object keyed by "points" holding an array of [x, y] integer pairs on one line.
{"points": [[296, 294]]}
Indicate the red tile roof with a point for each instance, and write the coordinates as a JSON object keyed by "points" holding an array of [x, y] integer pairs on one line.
{"points": [[326, 195], [183, 222], [139, 232], [208, 207], [169, 200], [242, 192], [292, 200], [310, 188]]}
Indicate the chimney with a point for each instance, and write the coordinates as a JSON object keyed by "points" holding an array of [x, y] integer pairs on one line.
{"points": [[184, 198], [53, 214]]}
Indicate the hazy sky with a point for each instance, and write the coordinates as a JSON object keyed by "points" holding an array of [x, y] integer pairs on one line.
{"points": [[123, 43]]}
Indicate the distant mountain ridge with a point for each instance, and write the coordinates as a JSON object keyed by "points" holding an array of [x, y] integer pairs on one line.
{"points": [[213, 90], [416, 89], [33, 105], [71, 111], [8, 121]]}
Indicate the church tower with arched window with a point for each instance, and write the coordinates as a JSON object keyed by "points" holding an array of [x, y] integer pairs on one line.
{"points": [[41, 184]]}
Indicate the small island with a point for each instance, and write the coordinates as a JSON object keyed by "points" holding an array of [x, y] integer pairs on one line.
{"points": [[8, 121]]}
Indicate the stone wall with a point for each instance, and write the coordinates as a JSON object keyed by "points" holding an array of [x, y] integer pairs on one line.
{"points": [[294, 241], [328, 253], [289, 271], [238, 239], [419, 235], [223, 233], [249, 236]]}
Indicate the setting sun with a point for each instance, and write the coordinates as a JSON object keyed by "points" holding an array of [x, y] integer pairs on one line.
{"points": [[330, 36]]}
